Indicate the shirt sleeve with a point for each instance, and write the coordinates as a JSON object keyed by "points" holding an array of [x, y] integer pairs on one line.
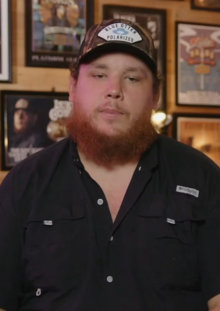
{"points": [[10, 247], [208, 244]]}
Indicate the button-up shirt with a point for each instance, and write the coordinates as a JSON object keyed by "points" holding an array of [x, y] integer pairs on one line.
{"points": [[61, 251]]}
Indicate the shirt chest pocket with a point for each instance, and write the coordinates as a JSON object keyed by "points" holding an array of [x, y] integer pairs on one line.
{"points": [[54, 226], [55, 246], [166, 241]]}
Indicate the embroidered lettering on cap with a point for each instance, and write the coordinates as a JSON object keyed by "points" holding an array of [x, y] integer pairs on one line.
{"points": [[187, 190], [120, 32], [48, 222]]}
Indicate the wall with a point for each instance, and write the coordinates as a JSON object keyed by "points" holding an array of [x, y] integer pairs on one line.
{"points": [[45, 79]]}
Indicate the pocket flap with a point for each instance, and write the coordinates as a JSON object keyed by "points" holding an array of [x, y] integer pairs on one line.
{"points": [[179, 208], [51, 211]]}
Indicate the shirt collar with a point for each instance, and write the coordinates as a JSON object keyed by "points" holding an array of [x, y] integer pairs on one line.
{"points": [[149, 158]]}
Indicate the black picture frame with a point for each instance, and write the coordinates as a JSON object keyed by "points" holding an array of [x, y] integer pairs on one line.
{"points": [[5, 41], [200, 131], [52, 38], [153, 20], [30, 121], [208, 5], [197, 65]]}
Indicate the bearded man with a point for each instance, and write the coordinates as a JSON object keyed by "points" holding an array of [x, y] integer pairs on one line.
{"points": [[116, 216]]}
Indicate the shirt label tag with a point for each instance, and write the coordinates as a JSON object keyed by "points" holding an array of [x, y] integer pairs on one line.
{"points": [[171, 221], [187, 190], [48, 222]]}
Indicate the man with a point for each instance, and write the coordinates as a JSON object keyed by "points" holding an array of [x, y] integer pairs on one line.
{"points": [[25, 119], [115, 217]]}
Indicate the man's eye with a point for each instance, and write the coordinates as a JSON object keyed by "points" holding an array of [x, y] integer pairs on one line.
{"points": [[132, 79], [99, 76]]}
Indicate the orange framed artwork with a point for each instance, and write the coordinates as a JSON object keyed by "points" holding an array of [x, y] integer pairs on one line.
{"points": [[199, 131]]}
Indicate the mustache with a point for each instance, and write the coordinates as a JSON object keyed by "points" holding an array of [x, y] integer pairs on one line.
{"points": [[111, 106]]}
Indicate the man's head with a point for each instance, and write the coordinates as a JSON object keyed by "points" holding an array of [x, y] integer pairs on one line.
{"points": [[114, 88], [25, 116]]}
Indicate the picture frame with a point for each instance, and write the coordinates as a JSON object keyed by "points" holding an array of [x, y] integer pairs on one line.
{"points": [[210, 5], [55, 30], [5, 41], [31, 121], [197, 64], [153, 20], [200, 131]]}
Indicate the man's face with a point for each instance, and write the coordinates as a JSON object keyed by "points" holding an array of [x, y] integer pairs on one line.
{"points": [[113, 99], [113, 91], [24, 121]]}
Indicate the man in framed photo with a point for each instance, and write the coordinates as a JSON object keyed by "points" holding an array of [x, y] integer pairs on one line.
{"points": [[115, 216], [25, 134]]}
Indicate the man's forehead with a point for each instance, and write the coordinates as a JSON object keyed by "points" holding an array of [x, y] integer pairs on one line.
{"points": [[103, 64]]}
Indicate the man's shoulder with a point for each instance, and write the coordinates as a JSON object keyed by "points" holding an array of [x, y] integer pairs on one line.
{"points": [[47, 154], [42, 162], [181, 155]]}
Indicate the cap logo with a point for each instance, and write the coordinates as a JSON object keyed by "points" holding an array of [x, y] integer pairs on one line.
{"points": [[120, 32]]}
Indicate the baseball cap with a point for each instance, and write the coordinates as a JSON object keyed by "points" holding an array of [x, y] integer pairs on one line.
{"points": [[118, 35], [24, 104]]}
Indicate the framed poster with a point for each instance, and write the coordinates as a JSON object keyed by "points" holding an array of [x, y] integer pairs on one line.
{"points": [[199, 131], [212, 5], [198, 64], [154, 21], [30, 122], [5, 41], [55, 30]]}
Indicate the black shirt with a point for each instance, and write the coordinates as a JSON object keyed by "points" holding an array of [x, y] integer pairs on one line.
{"points": [[61, 251]]}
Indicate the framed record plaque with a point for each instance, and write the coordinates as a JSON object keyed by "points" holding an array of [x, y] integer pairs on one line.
{"points": [[5, 41], [153, 20], [55, 30], [30, 122], [198, 64]]}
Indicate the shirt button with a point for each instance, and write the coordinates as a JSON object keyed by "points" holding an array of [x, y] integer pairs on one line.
{"points": [[100, 201], [111, 238], [109, 279], [139, 168]]}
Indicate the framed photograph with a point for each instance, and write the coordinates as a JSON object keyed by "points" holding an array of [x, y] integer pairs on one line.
{"points": [[153, 20], [198, 64], [199, 131], [211, 5], [30, 122], [55, 30], [5, 41]]}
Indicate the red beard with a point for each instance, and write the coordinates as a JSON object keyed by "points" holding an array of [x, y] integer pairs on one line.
{"points": [[108, 150]]}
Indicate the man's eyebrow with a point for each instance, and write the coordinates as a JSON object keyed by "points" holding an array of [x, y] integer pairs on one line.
{"points": [[135, 69], [98, 66]]}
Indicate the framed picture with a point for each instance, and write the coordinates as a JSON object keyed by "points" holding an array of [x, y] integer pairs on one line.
{"points": [[199, 131], [5, 41], [198, 64], [30, 122], [55, 30], [211, 5], [153, 20]]}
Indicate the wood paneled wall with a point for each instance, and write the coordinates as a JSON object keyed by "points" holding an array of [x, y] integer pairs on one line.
{"points": [[46, 79]]}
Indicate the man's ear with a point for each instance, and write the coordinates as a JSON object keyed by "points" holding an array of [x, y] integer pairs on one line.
{"points": [[72, 89], [156, 98]]}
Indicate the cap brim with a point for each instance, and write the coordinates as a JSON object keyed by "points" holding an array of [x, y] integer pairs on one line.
{"points": [[110, 47]]}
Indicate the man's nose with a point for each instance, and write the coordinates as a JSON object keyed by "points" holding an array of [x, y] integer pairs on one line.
{"points": [[114, 89]]}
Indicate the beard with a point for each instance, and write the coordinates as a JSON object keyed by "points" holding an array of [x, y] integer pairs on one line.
{"points": [[108, 150]]}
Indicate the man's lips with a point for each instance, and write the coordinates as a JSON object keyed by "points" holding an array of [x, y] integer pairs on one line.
{"points": [[111, 111]]}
